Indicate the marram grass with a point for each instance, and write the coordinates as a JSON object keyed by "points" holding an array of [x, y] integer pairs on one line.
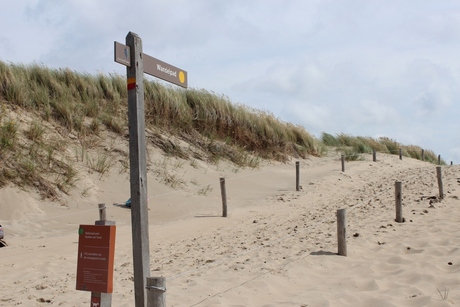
{"points": [[353, 146], [77, 107], [71, 109]]}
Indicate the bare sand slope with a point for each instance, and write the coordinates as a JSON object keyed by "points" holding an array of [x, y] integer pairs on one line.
{"points": [[277, 247]]}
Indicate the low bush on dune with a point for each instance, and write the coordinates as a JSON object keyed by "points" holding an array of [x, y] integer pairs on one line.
{"points": [[353, 146]]}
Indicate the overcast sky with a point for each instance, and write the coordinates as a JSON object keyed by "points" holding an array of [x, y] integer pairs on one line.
{"points": [[368, 68]]}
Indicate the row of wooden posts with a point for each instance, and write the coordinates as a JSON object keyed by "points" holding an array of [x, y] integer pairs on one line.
{"points": [[341, 213], [156, 286], [374, 158]]}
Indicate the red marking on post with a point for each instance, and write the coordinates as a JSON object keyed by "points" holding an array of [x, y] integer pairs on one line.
{"points": [[131, 83]]}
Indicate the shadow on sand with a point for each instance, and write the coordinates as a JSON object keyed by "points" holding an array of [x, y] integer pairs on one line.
{"points": [[323, 253], [207, 215]]}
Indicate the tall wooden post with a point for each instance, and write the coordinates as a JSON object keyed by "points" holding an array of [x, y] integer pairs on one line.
{"points": [[138, 173], [439, 175], [297, 176], [398, 201], [423, 154], [439, 159], [342, 158], [400, 153], [342, 232], [223, 193], [374, 155]]}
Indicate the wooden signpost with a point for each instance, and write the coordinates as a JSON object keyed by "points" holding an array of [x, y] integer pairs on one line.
{"points": [[137, 63], [152, 66]]}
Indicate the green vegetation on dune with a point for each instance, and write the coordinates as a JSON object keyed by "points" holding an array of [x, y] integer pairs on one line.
{"points": [[69, 108], [71, 99], [353, 146], [67, 112]]}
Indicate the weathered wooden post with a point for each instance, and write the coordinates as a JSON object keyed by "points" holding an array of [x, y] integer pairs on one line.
{"points": [[223, 193], [400, 153], [156, 291], [138, 167], [398, 200], [343, 163], [423, 154], [136, 64], [297, 176], [102, 214], [374, 155], [439, 175], [439, 159], [342, 232]]}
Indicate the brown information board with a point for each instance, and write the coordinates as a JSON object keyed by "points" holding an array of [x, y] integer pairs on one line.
{"points": [[96, 249], [152, 66]]}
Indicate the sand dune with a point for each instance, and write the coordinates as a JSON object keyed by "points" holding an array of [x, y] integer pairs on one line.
{"points": [[277, 247]]}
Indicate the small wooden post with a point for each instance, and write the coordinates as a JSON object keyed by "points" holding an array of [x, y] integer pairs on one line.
{"points": [[439, 175], [102, 212], [102, 216], [398, 199], [423, 154], [156, 291], [439, 159], [342, 232], [104, 299], [223, 192], [374, 155], [343, 163], [451, 163], [297, 176], [400, 153]]}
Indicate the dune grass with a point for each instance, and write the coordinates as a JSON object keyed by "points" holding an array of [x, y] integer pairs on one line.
{"points": [[66, 109], [69, 98], [353, 146], [75, 108]]}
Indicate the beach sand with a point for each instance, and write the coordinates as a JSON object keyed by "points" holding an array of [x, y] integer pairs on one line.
{"points": [[277, 247]]}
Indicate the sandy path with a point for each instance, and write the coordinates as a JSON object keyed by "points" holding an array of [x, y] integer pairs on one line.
{"points": [[276, 248]]}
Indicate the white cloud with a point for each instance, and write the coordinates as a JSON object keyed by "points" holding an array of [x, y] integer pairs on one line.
{"points": [[371, 112]]}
